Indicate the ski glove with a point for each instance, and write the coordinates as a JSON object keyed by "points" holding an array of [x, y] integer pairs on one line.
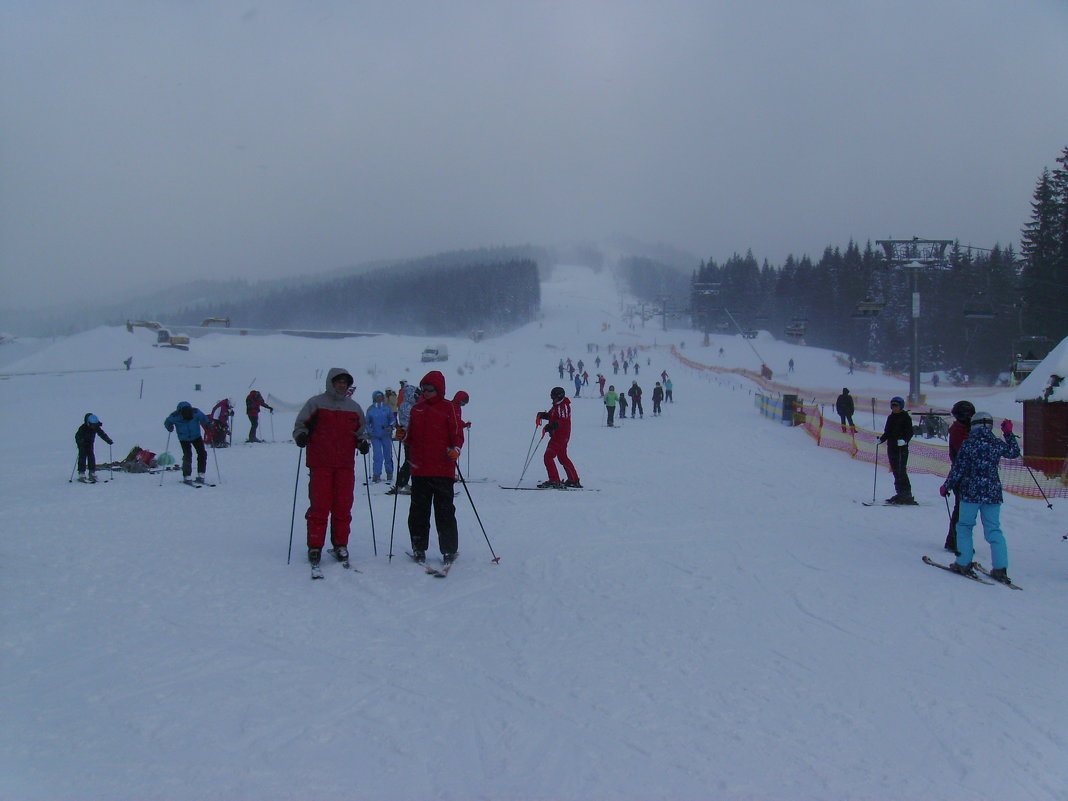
{"points": [[552, 426], [1006, 426], [453, 453], [543, 415], [301, 439], [901, 443], [170, 426], [363, 446], [943, 491], [467, 424], [398, 433]]}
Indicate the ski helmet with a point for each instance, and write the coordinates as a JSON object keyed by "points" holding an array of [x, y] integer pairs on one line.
{"points": [[898, 400], [557, 393], [963, 412], [983, 419], [92, 419]]}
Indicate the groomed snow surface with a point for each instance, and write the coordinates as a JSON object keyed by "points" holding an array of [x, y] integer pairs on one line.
{"points": [[722, 620]]}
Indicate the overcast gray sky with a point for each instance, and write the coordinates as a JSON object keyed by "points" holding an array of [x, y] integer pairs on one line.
{"points": [[142, 139]]}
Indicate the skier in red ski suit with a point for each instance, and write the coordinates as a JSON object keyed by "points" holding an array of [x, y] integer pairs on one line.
{"points": [[559, 429], [332, 426]]}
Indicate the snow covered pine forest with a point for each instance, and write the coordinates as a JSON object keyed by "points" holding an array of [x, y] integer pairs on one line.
{"points": [[723, 619]]}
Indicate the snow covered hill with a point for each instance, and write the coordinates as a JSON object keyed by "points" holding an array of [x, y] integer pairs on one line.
{"points": [[722, 619]]}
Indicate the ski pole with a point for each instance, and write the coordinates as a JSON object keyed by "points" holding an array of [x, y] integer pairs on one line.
{"points": [[370, 510], [875, 480], [468, 449], [215, 454], [166, 449], [272, 425], [395, 493], [71, 479], [948, 511], [496, 559], [1048, 504], [293, 516], [111, 464], [530, 447]]}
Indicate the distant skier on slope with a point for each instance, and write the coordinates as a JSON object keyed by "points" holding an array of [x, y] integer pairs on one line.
{"points": [[253, 401], [558, 426], [380, 422]]}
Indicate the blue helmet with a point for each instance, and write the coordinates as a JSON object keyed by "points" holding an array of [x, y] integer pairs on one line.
{"points": [[898, 400], [92, 419]]}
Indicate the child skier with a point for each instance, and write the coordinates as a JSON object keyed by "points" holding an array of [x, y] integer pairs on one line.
{"points": [[975, 477], [559, 430], [85, 439]]}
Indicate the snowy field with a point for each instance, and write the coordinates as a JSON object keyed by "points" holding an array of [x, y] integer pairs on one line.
{"points": [[721, 620]]}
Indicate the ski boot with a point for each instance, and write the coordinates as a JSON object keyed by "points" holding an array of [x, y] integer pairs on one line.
{"points": [[92, 478], [573, 484], [200, 479], [448, 558], [551, 485], [341, 553], [376, 480], [964, 570], [1000, 574], [419, 557], [315, 555]]}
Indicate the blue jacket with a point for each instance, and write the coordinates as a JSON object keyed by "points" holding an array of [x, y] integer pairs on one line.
{"points": [[379, 419], [975, 473], [188, 430]]}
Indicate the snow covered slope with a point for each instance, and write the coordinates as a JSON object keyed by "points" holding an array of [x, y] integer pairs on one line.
{"points": [[722, 619]]}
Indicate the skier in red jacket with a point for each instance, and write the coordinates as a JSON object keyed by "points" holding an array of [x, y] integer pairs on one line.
{"points": [[559, 429], [331, 425], [435, 437]]}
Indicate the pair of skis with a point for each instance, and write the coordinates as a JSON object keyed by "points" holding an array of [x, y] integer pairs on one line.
{"points": [[196, 485], [929, 561]]}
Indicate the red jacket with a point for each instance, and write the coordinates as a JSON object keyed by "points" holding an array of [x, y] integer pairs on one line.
{"points": [[433, 427], [560, 414], [333, 422], [958, 432]]}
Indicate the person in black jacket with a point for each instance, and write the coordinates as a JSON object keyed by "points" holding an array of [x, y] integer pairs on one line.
{"points": [[658, 397], [844, 407], [85, 439], [896, 434]]}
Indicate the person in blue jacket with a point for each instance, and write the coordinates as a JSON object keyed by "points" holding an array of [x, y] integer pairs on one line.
{"points": [[974, 476], [380, 422], [187, 420]]}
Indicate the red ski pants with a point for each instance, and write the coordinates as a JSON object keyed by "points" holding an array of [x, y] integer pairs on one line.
{"points": [[330, 492], [558, 450]]}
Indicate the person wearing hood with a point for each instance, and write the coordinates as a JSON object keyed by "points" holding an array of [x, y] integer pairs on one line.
{"points": [[974, 476], [253, 402], [461, 399], [962, 412], [435, 437], [380, 422], [187, 421], [85, 439], [896, 434], [332, 426], [845, 408]]}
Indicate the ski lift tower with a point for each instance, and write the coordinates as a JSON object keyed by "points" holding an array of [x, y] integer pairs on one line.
{"points": [[916, 255]]}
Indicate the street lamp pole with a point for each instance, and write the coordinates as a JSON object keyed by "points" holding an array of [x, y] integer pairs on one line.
{"points": [[914, 268]]}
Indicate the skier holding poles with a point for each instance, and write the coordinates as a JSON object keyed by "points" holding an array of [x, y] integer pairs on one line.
{"points": [[435, 437], [558, 426], [85, 439], [332, 427], [188, 420]]}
